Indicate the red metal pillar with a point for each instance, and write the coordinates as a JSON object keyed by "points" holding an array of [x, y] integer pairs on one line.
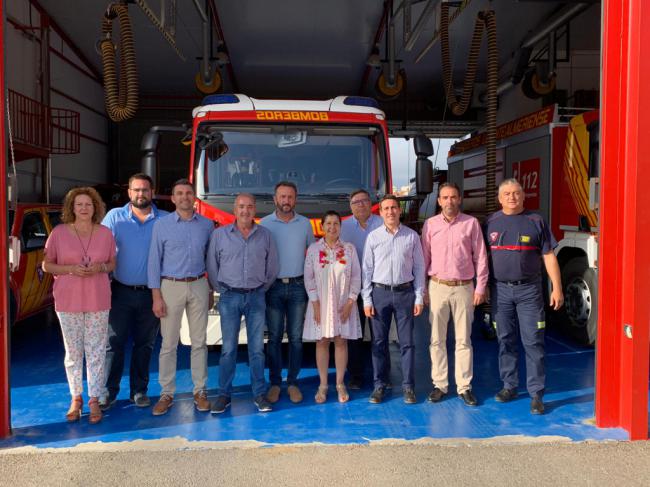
{"points": [[5, 426], [624, 277]]}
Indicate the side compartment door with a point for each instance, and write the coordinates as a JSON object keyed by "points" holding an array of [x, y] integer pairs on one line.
{"points": [[35, 283]]}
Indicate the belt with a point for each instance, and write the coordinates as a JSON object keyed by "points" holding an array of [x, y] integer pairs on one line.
{"points": [[520, 282], [239, 290], [288, 280], [398, 287], [138, 287], [183, 279], [452, 283]]}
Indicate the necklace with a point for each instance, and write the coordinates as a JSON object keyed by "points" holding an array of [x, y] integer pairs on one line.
{"points": [[85, 259]]}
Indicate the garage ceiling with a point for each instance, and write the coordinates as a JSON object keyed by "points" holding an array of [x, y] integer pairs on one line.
{"points": [[306, 48]]}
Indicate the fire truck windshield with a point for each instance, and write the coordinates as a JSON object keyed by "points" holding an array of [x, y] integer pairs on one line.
{"points": [[324, 161]]}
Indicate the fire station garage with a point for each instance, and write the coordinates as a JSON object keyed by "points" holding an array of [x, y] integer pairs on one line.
{"points": [[336, 96]]}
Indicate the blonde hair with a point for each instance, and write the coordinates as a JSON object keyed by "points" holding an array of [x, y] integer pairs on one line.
{"points": [[68, 216]]}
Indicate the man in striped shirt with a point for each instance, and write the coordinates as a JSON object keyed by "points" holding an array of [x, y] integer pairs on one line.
{"points": [[454, 254], [393, 286]]}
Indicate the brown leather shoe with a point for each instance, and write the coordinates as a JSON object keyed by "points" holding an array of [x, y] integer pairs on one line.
{"points": [[201, 401], [163, 405], [273, 395], [294, 394]]}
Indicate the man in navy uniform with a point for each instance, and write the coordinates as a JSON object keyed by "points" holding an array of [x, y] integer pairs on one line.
{"points": [[519, 241]]}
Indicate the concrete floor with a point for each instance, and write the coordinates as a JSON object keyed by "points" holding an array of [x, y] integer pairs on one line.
{"points": [[469, 462], [39, 399]]}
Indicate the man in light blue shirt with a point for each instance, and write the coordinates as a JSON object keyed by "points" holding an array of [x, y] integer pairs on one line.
{"points": [[131, 304], [176, 276], [393, 275], [287, 297], [355, 230], [242, 264]]}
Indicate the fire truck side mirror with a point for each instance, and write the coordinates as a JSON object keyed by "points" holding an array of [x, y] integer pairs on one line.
{"points": [[423, 167], [423, 146], [423, 175]]}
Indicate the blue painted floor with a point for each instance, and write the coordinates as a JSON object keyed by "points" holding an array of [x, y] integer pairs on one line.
{"points": [[39, 400]]}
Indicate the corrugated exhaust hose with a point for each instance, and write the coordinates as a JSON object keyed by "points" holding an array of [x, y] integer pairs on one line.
{"points": [[486, 20], [122, 100]]}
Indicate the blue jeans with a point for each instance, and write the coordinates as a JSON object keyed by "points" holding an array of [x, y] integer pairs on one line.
{"points": [[285, 301], [519, 311], [232, 306], [130, 314]]}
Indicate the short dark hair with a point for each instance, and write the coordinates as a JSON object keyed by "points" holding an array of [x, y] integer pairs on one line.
{"points": [[448, 184], [387, 197], [288, 184], [142, 176], [359, 191], [330, 213], [181, 182]]}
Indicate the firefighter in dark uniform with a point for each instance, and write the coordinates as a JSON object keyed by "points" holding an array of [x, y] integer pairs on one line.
{"points": [[519, 242]]}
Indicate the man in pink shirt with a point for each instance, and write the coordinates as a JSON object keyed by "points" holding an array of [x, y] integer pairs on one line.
{"points": [[454, 254]]}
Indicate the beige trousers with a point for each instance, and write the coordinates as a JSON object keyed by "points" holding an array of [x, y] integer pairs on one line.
{"points": [[457, 302], [191, 297]]}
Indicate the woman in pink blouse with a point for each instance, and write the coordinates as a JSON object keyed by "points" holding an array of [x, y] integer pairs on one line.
{"points": [[333, 282], [80, 253]]}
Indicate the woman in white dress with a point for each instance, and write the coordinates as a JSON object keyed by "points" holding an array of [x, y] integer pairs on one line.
{"points": [[333, 282]]}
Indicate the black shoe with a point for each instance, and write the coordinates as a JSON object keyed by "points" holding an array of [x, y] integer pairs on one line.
{"points": [[377, 395], [506, 395], [105, 403], [220, 405], [263, 406], [468, 398], [488, 333], [355, 383], [436, 395], [537, 406], [409, 396], [140, 399]]}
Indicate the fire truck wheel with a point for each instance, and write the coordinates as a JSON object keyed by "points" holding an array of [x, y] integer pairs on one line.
{"points": [[580, 288]]}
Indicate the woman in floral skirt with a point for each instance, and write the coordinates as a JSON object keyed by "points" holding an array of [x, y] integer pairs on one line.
{"points": [[333, 282]]}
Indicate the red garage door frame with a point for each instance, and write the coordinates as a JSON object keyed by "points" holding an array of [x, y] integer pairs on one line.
{"points": [[5, 424], [624, 274]]}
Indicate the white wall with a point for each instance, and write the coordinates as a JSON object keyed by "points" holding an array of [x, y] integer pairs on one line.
{"points": [[90, 165]]}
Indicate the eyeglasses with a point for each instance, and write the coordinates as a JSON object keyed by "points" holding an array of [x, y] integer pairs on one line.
{"points": [[360, 202]]}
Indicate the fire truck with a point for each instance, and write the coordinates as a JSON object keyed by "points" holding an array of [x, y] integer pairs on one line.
{"points": [[241, 144], [554, 154]]}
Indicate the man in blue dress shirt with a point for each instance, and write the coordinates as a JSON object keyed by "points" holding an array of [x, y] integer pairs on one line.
{"points": [[287, 298], [131, 304], [355, 230], [176, 276], [242, 264], [393, 286]]}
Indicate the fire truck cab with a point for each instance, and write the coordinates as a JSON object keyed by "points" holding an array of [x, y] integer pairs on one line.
{"points": [[327, 148]]}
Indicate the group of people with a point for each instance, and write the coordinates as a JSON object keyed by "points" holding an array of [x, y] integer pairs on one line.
{"points": [[366, 271]]}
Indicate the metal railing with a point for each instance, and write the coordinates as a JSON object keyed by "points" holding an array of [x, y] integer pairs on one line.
{"points": [[42, 127]]}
